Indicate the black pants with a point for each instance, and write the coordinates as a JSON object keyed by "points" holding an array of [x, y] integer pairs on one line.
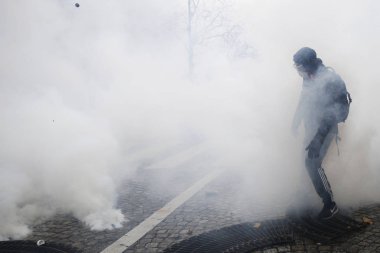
{"points": [[316, 172]]}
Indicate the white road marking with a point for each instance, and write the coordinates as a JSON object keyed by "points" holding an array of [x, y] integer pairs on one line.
{"points": [[147, 225]]}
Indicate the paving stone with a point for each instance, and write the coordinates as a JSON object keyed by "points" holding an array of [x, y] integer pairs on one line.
{"points": [[270, 250], [353, 249], [297, 247], [152, 245], [324, 248], [283, 248]]}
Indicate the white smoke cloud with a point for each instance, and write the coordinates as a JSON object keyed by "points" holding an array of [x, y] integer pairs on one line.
{"points": [[89, 94]]}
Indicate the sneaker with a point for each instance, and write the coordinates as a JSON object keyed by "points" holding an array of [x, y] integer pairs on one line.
{"points": [[328, 211]]}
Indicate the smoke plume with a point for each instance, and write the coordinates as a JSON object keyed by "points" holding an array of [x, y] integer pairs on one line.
{"points": [[89, 94]]}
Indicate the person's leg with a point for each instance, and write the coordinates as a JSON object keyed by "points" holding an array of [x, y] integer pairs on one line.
{"points": [[316, 172], [319, 179], [326, 144]]}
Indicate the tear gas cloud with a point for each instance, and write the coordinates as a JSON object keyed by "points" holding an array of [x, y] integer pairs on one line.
{"points": [[90, 94]]}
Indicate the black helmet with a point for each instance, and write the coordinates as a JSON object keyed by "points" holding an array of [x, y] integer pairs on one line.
{"points": [[307, 58]]}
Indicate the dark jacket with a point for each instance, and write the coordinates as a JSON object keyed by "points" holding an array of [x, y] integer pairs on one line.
{"points": [[321, 103]]}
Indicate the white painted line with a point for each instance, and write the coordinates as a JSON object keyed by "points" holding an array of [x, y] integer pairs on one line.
{"points": [[147, 225]]}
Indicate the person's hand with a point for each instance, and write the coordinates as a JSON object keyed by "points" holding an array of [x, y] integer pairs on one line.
{"points": [[313, 149]]}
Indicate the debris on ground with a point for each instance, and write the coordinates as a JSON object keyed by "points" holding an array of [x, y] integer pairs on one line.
{"points": [[40, 242], [367, 220]]}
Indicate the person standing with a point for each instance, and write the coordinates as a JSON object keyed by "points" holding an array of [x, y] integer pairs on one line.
{"points": [[324, 102]]}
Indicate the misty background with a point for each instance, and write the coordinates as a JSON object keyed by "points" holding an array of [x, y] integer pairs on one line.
{"points": [[90, 95]]}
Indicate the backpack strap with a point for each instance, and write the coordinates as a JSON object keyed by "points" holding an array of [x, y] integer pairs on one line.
{"points": [[337, 139]]}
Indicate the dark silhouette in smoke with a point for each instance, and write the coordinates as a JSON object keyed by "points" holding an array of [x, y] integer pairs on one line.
{"points": [[323, 104]]}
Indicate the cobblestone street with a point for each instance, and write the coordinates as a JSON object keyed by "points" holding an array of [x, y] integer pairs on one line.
{"points": [[138, 199], [213, 207]]}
